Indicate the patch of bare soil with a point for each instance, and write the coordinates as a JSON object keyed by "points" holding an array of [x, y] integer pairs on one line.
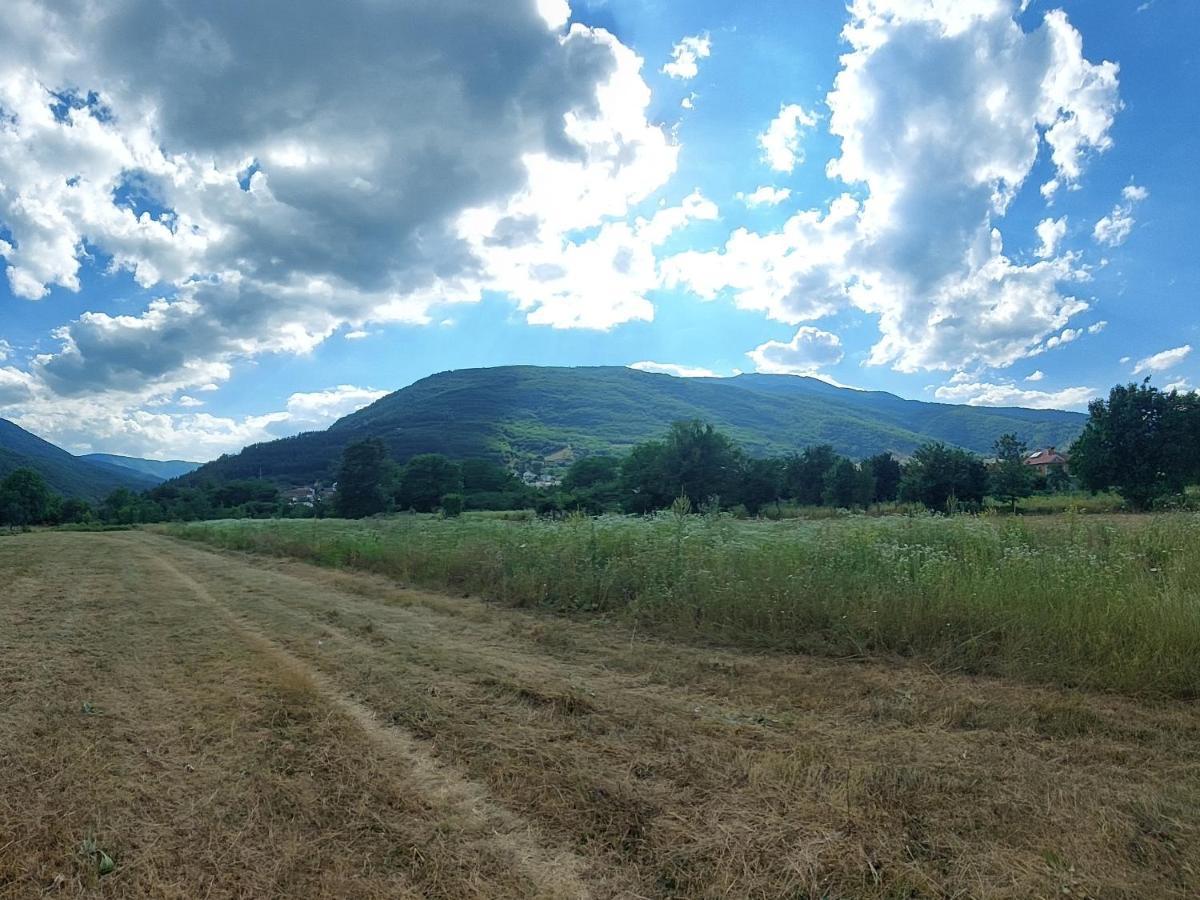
{"points": [[219, 725]]}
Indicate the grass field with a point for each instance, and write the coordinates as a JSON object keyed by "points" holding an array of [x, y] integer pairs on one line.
{"points": [[1103, 602], [182, 722]]}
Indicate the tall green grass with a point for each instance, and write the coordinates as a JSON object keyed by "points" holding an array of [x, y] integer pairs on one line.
{"points": [[1112, 605]]}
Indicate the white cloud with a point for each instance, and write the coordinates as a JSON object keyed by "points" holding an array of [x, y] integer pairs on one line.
{"points": [[686, 56], [987, 394], [1050, 232], [674, 369], [941, 109], [1160, 362], [1036, 375], [80, 424], [765, 195], [781, 143], [1183, 386], [338, 182], [1113, 229], [189, 402], [805, 354], [356, 335], [5, 349], [1097, 327]]}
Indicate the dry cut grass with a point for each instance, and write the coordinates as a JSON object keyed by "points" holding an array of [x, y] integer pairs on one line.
{"points": [[228, 726]]}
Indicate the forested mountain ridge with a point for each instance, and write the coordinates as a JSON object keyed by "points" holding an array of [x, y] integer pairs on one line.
{"points": [[527, 416], [160, 470], [71, 476]]}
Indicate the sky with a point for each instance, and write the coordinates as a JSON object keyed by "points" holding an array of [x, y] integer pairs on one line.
{"points": [[224, 223]]}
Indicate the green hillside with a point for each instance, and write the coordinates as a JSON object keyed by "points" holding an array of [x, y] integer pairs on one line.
{"points": [[523, 414], [158, 469], [68, 475]]}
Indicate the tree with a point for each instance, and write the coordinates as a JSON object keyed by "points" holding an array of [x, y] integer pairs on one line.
{"points": [[1011, 478], [1058, 480], [24, 499], [593, 483], [1141, 443], [804, 474], [360, 480], [426, 479], [886, 471], [760, 484], [644, 485], [937, 475], [482, 476], [75, 511], [847, 485], [452, 505], [700, 462]]}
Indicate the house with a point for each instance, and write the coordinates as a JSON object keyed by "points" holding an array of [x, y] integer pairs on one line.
{"points": [[1046, 459]]}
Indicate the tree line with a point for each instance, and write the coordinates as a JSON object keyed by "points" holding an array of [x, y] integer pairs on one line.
{"points": [[1141, 442]]}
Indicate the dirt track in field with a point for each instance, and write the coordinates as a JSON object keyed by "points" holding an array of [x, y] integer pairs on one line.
{"points": [[227, 726]]}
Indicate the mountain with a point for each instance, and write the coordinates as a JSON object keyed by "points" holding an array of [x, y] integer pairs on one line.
{"points": [[521, 414], [159, 470], [69, 475]]}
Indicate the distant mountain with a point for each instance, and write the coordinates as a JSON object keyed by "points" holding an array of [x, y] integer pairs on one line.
{"points": [[519, 414], [68, 475], [160, 470]]}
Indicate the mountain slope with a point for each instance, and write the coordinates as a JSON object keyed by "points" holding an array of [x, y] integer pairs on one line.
{"points": [[66, 474], [518, 414], [159, 470]]}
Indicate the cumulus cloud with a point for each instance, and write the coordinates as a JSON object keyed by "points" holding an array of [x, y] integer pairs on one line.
{"points": [[5, 349], [674, 369], [340, 180], [765, 195], [80, 424], [809, 351], [1160, 362], [782, 142], [1036, 375], [941, 110], [1115, 228], [686, 56], [1050, 232], [988, 394]]}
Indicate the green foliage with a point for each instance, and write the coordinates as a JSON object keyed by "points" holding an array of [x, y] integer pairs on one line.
{"points": [[760, 483], [1067, 600], [848, 485], [1011, 478], [1141, 442], [452, 505], [360, 480], [804, 474], [943, 478], [426, 479], [699, 462], [593, 484], [24, 499], [886, 470]]}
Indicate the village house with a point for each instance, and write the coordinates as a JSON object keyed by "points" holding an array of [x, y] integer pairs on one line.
{"points": [[1046, 459]]}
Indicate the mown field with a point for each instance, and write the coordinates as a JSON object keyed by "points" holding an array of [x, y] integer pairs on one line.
{"points": [[1101, 602], [179, 720]]}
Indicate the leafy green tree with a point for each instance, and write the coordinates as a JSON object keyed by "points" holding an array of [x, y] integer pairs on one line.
{"points": [[644, 486], [1011, 478], [848, 485], [1141, 442], [1058, 480], [24, 499], [593, 483], [804, 474], [760, 484], [360, 480], [426, 479], [452, 505], [700, 462], [886, 471], [75, 511], [482, 476], [937, 475]]}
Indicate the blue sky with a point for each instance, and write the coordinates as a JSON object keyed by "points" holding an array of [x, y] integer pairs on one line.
{"points": [[978, 202]]}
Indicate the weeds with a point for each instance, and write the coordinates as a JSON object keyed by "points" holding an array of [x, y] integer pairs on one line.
{"points": [[1096, 603]]}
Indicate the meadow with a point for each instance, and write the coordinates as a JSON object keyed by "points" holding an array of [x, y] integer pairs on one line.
{"points": [[1109, 603]]}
